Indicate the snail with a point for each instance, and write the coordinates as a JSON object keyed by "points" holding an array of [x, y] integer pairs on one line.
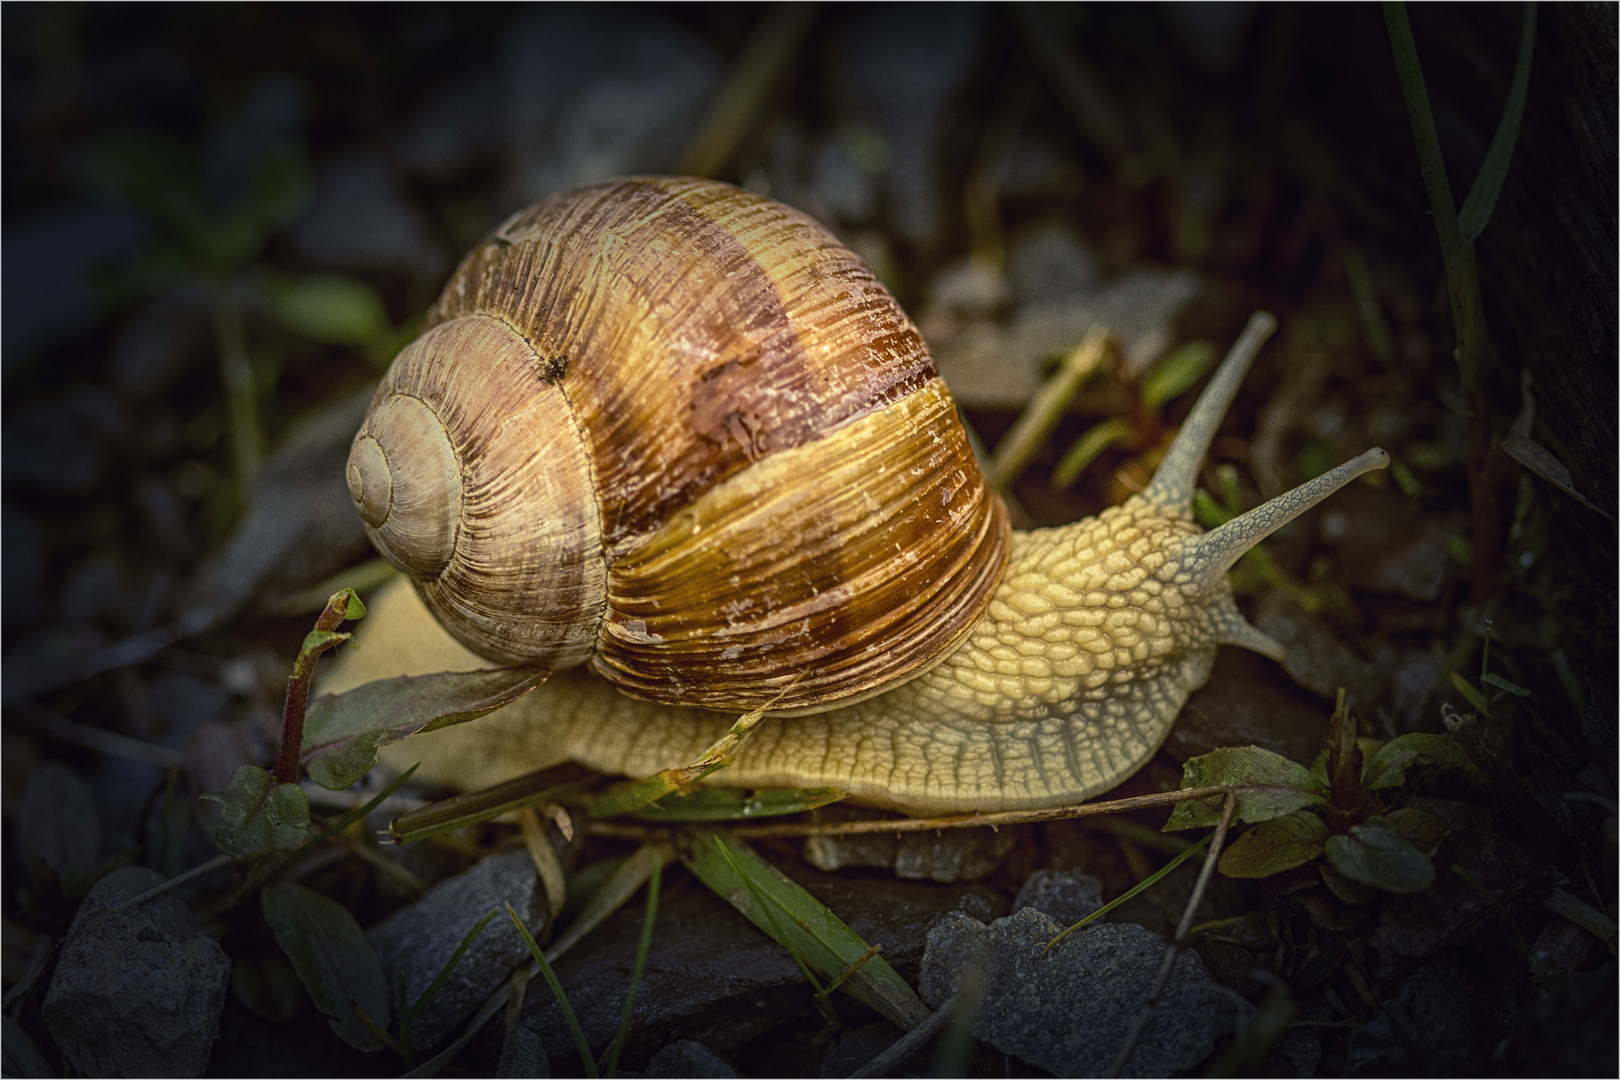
{"points": [[673, 441]]}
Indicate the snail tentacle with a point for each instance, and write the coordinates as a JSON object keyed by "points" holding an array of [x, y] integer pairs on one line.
{"points": [[1214, 553], [1175, 481]]}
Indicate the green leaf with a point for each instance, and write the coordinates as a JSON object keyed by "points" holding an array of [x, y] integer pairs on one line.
{"points": [[1487, 186], [1086, 449], [282, 185], [1375, 854], [258, 815], [329, 308], [1176, 372], [1269, 786], [1274, 846], [1388, 767], [1210, 514], [1471, 693], [737, 804], [408, 1015], [557, 992], [1344, 757], [353, 609], [1493, 679], [1423, 829], [318, 641], [821, 939], [343, 731], [330, 952]]}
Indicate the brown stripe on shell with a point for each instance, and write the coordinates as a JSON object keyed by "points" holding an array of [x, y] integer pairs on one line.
{"points": [[525, 583], [663, 301], [830, 570]]}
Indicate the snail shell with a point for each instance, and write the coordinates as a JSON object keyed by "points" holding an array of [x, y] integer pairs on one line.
{"points": [[676, 432]]}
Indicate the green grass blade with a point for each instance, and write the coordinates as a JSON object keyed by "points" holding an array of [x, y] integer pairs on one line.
{"points": [[642, 948], [805, 927], [764, 906], [623, 798], [557, 992], [619, 887], [1098, 437], [354, 815], [1487, 187], [476, 807], [1141, 887], [449, 968]]}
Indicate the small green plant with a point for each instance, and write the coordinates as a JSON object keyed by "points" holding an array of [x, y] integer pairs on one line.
{"points": [[1344, 809]]}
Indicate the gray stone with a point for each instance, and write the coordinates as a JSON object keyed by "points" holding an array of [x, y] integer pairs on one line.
{"points": [[1066, 896], [300, 504], [523, 1052], [900, 69], [50, 265], [361, 220], [138, 993], [1049, 263], [420, 938], [456, 126], [1246, 704], [61, 446], [683, 1057], [711, 975], [164, 339], [588, 98], [22, 568], [1068, 1011], [987, 364], [841, 184], [1318, 659], [951, 855]]}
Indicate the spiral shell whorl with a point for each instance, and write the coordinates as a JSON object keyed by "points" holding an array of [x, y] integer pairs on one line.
{"points": [[471, 477], [406, 482]]}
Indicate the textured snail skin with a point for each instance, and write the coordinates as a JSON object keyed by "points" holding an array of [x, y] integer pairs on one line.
{"points": [[1066, 684]]}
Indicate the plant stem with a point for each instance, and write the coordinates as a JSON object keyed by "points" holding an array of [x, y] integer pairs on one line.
{"points": [[292, 714], [905, 825], [1179, 942], [241, 390], [1490, 473]]}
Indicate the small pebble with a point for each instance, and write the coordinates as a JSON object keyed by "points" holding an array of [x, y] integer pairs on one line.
{"points": [[684, 1057], [1067, 896]]}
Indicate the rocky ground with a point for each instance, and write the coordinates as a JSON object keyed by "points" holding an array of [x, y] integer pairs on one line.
{"points": [[222, 223]]}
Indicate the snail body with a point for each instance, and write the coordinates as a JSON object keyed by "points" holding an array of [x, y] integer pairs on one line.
{"points": [[695, 418]]}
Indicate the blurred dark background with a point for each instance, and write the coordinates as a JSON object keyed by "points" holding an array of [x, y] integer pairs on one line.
{"points": [[222, 221]]}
